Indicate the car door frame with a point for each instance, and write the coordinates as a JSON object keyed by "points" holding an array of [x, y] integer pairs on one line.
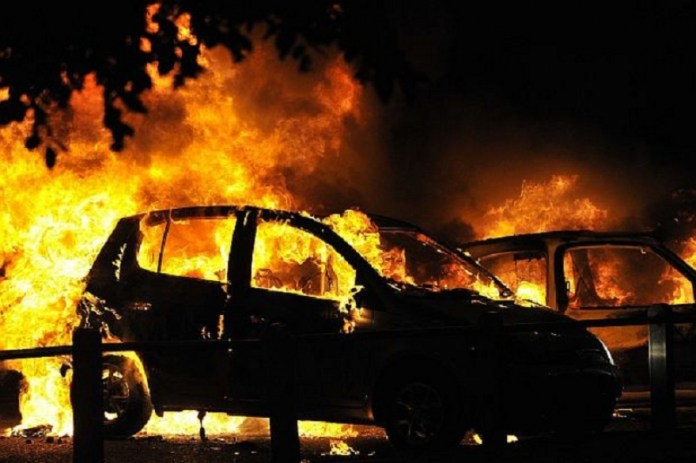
{"points": [[239, 276], [670, 258]]}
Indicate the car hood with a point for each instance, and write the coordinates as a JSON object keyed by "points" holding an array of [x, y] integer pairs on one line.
{"points": [[465, 307]]}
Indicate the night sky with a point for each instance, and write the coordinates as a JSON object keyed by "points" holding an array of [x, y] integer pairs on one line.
{"points": [[627, 70]]}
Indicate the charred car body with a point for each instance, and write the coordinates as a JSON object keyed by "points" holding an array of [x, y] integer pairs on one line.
{"points": [[231, 273], [594, 275]]}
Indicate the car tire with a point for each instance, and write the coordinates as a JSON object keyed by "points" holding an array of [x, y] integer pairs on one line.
{"points": [[421, 412], [127, 405]]}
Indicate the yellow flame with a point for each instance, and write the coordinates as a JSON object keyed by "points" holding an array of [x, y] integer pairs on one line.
{"points": [[341, 447], [199, 145]]}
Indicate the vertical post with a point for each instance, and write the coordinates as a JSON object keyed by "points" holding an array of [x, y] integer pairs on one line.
{"points": [[280, 353], [87, 397], [661, 364], [491, 368]]}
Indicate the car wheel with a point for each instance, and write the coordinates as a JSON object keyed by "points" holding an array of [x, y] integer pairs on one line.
{"points": [[127, 406], [421, 413]]}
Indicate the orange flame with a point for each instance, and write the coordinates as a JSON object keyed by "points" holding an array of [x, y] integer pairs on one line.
{"points": [[544, 207], [540, 207], [207, 143]]}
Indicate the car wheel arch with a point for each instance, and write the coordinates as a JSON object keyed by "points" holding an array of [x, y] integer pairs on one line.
{"points": [[412, 361]]}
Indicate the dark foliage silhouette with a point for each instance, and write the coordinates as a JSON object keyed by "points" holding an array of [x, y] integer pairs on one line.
{"points": [[47, 50]]}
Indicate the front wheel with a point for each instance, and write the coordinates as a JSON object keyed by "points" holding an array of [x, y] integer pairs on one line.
{"points": [[421, 413], [127, 406]]}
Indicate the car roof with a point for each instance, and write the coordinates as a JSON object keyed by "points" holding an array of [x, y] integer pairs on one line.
{"points": [[382, 222], [539, 240], [570, 235]]}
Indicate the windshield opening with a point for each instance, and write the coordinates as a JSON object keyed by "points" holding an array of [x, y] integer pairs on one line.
{"points": [[411, 258]]}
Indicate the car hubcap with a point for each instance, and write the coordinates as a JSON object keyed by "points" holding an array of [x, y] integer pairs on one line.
{"points": [[418, 413], [116, 393]]}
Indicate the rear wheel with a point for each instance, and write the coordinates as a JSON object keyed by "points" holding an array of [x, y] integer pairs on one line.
{"points": [[127, 406], [421, 413]]}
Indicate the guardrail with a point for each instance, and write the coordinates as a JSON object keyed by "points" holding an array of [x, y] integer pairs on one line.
{"points": [[280, 347]]}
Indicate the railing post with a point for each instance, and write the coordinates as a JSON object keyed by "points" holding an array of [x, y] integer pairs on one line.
{"points": [[491, 369], [280, 350], [661, 364], [87, 397]]}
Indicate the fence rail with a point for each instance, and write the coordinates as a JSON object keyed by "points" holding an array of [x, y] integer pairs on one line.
{"points": [[279, 353]]}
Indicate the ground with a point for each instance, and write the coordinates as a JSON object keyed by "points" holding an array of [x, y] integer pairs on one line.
{"points": [[626, 440]]}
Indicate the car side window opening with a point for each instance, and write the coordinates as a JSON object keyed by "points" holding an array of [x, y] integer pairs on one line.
{"points": [[288, 259], [614, 276], [151, 240], [413, 259], [194, 247], [523, 272]]}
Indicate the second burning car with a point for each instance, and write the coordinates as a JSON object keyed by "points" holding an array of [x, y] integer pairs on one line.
{"points": [[595, 275], [231, 273]]}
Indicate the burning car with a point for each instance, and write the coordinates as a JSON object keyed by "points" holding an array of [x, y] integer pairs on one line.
{"points": [[228, 272], [591, 275]]}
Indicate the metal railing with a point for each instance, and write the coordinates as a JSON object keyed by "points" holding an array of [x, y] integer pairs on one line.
{"points": [[279, 353]]}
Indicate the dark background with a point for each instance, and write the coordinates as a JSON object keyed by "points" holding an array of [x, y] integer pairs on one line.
{"points": [[522, 90], [502, 92]]}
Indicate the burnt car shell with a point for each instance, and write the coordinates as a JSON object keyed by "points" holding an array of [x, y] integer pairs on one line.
{"points": [[628, 345], [343, 377]]}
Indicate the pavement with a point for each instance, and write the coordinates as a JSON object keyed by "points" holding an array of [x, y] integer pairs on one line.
{"points": [[625, 442]]}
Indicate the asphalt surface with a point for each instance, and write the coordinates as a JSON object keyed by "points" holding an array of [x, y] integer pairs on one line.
{"points": [[625, 442]]}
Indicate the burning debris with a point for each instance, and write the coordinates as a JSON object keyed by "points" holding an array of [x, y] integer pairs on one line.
{"points": [[33, 432], [341, 447]]}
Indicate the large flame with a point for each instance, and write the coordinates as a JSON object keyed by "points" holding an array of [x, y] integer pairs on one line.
{"points": [[559, 205], [544, 206], [207, 143], [553, 205]]}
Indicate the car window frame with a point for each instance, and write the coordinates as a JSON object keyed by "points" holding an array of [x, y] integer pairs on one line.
{"points": [[365, 277], [668, 256], [526, 249], [289, 222], [194, 213]]}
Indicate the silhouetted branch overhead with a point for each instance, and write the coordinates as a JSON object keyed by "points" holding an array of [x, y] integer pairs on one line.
{"points": [[48, 49]]}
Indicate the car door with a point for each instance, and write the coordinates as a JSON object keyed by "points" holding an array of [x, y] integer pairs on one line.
{"points": [[178, 293], [616, 280], [299, 283]]}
